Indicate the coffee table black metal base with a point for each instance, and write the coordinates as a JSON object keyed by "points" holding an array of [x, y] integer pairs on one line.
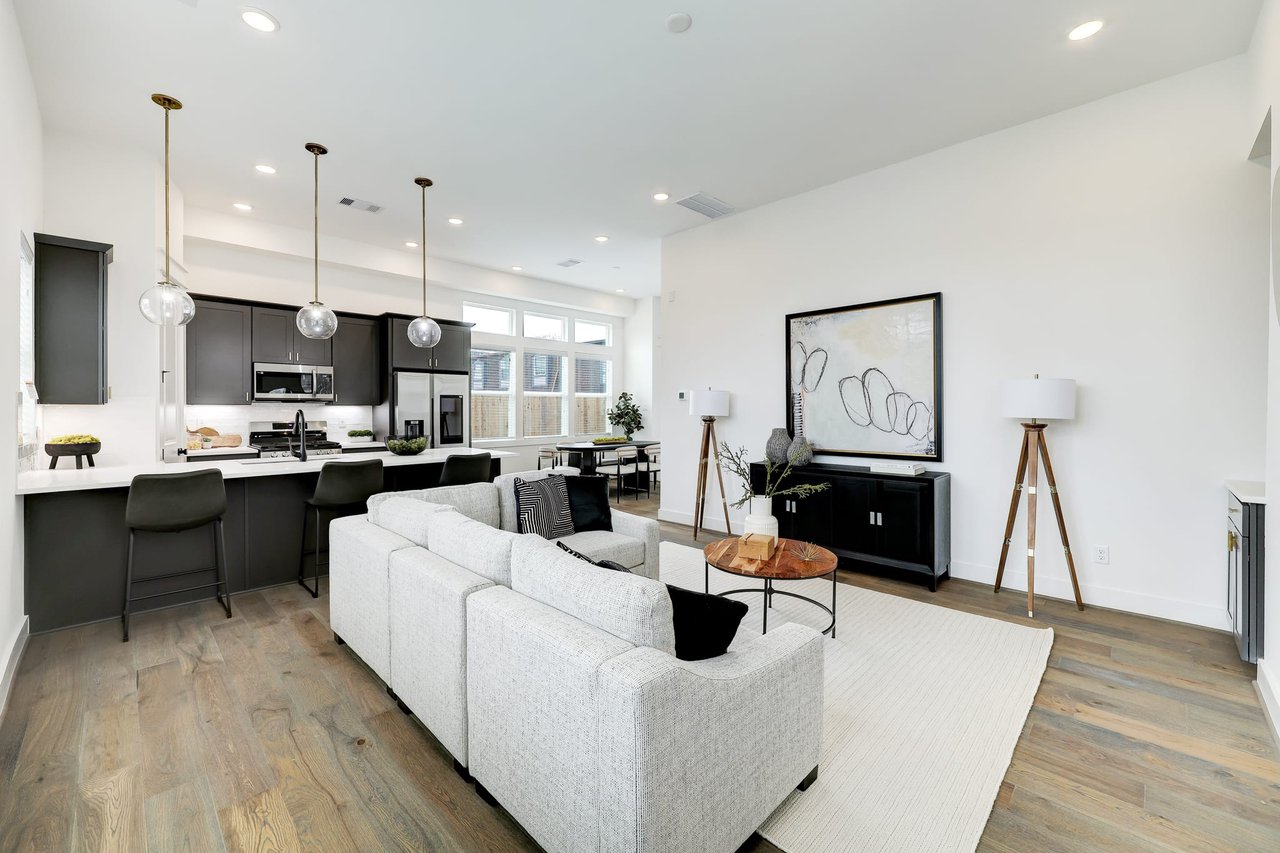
{"points": [[769, 592]]}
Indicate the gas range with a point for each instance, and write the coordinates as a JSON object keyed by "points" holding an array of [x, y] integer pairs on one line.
{"points": [[276, 439]]}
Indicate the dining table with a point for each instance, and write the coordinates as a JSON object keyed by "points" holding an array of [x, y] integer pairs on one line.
{"points": [[584, 455]]}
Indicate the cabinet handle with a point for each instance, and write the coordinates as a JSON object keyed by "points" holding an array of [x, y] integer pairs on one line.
{"points": [[873, 518], [879, 519], [246, 396]]}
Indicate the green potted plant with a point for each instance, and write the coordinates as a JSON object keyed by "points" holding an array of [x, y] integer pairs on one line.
{"points": [[760, 517], [625, 415], [360, 434]]}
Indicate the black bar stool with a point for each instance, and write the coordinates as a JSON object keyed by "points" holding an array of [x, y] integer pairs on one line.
{"points": [[172, 503], [343, 489], [460, 470]]}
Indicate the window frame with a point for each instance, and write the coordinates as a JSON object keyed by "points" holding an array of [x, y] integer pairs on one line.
{"points": [[511, 393], [510, 312]]}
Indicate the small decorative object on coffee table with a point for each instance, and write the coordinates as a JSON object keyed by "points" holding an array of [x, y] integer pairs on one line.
{"points": [[757, 546], [80, 446], [791, 561]]}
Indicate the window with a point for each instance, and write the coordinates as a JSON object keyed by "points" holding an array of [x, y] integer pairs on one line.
{"points": [[495, 321], [591, 395], [492, 400], [544, 394], [590, 332], [543, 327]]}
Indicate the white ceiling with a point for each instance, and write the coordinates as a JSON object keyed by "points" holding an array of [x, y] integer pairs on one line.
{"points": [[546, 123]]}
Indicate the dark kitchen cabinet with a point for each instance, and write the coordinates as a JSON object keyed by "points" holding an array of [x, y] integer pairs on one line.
{"points": [[1246, 524], [871, 521], [452, 354], [71, 319], [355, 362], [404, 355], [276, 339], [220, 354]]}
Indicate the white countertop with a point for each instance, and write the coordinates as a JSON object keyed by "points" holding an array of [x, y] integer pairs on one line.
{"points": [[117, 476], [1248, 491], [221, 451]]}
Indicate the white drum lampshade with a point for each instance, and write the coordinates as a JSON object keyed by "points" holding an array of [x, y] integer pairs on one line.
{"points": [[709, 403], [1038, 399]]}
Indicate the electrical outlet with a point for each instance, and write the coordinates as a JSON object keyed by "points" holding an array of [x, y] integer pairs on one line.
{"points": [[1102, 554]]}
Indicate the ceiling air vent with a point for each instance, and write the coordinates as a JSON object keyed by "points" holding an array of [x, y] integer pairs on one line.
{"points": [[569, 262], [359, 204], [708, 205]]}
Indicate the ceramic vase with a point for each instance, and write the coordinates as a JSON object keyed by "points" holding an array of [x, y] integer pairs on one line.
{"points": [[775, 449], [800, 452], [760, 517]]}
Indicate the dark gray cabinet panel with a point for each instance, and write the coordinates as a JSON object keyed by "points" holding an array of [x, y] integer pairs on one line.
{"points": [[404, 355], [71, 319], [454, 350], [276, 339], [219, 354], [355, 362]]}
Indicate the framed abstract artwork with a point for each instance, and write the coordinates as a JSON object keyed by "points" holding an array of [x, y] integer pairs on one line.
{"points": [[866, 380]]}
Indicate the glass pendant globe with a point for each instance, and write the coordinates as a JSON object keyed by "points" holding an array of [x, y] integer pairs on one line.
{"points": [[424, 332], [317, 321], [167, 304]]}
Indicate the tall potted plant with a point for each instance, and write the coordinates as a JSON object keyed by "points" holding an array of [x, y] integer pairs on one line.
{"points": [[625, 415], [760, 518]]}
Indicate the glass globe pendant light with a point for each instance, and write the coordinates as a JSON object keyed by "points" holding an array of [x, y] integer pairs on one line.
{"points": [[315, 319], [423, 331], [167, 303]]}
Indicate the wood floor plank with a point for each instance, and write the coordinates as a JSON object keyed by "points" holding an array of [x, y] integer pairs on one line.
{"points": [[111, 740], [109, 813], [233, 759], [260, 824], [183, 818], [167, 714]]}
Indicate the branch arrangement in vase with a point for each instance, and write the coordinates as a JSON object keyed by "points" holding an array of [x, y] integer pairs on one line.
{"points": [[775, 475]]}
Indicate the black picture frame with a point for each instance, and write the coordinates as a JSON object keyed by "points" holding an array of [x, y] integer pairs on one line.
{"points": [[935, 455]]}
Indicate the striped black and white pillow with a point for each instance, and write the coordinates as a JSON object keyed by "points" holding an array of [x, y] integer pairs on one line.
{"points": [[542, 507]]}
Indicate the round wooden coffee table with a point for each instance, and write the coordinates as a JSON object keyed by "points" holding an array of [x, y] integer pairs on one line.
{"points": [[786, 564]]}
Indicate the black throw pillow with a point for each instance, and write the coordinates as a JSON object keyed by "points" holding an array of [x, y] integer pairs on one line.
{"points": [[589, 503], [542, 507], [604, 564], [705, 624]]}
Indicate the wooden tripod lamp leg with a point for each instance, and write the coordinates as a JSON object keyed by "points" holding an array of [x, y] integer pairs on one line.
{"points": [[1033, 458], [1062, 524], [724, 502], [1013, 511], [700, 489]]}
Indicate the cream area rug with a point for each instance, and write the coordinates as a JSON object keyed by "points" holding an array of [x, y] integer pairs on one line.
{"points": [[923, 707]]}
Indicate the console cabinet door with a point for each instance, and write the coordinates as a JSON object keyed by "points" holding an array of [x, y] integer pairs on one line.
{"points": [[902, 511], [219, 354]]}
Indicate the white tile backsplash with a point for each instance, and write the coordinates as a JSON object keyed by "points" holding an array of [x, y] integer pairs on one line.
{"points": [[235, 419]]}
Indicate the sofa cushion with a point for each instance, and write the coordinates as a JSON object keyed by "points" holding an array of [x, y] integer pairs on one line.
{"points": [[604, 564], [506, 486], [542, 507], [473, 545], [474, 500], [705, 624], [630, 607], [589, 503], [607, 545], [408, 517]]}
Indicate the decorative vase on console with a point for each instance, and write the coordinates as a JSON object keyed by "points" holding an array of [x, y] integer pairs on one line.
{"points": [[775, 449], [800, 452], [760, 518]]}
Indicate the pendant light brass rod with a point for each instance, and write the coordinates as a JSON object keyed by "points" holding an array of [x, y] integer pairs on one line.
{"points": [[315, 226], [424, 250], [167, 279]]}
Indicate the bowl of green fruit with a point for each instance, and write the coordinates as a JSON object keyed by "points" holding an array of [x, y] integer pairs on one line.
{"points": [[406, 446], [80, 446]]}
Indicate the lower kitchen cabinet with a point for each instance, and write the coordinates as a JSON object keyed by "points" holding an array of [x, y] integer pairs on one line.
{"points": [[871, 521]]}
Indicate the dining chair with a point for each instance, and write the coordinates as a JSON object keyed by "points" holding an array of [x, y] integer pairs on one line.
{"points": [[551, 455], [653, 467], [627, 465]]}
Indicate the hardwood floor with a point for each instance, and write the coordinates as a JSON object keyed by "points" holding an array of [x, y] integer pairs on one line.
{"points": [[258, 732]]}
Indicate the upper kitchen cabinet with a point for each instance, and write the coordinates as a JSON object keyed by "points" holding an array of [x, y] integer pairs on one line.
{"points": [[71, 319], [220, 354], [452, 354], [276, 340], [355, 362]]}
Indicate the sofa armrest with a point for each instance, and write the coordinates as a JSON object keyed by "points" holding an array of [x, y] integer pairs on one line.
{"points": [[696, 755], [644, 529]]}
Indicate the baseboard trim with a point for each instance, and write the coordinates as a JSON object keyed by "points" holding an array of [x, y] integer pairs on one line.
{"points": [[11, 668], [1269, 694], [712, 523]]}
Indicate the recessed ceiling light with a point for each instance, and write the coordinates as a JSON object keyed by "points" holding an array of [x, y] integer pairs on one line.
{"points": [[619, 290], [239, 205], [602, 238], [410, 244], [1085, 30], [518, 269], [259, 20], [455, 221], [660, 196], [679, 22], [265, 169]]}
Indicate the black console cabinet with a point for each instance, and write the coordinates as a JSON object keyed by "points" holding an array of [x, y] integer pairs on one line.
{"points": [[871, 521]]}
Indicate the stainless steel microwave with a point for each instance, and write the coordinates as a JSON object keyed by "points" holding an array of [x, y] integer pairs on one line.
{"points": [[287, 383]]}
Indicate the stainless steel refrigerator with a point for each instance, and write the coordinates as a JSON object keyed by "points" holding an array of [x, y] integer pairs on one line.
{"points": [[435, 405]]}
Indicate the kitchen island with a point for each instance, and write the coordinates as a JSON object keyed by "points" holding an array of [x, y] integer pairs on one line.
{"points": [[77, 542]]}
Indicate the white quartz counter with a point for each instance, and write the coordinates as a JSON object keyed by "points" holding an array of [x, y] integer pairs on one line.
{"points": [[116, 476], [215, 452], [1248, 491]]}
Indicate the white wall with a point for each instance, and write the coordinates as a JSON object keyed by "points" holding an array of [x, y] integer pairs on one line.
{"points": [[1121, 243], [20, 213], [642, 329]]}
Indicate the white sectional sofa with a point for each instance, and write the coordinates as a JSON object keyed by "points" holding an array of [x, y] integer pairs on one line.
{"points": [[555, 683]]}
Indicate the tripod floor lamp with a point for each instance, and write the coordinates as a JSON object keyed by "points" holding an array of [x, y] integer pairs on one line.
{"points": [[709, 405], [1031, 401]]}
